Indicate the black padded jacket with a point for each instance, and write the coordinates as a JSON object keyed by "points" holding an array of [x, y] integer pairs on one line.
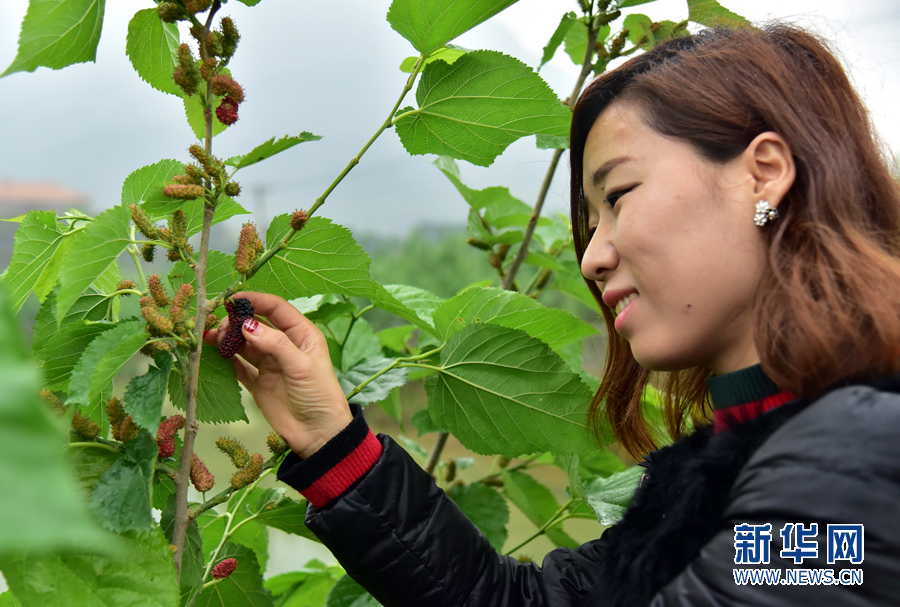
{"points": [[835, 461]]}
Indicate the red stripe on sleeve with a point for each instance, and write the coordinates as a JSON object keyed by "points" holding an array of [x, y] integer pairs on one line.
{"points": [[334, 482]]}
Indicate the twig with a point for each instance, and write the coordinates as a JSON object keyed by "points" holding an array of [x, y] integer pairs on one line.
{"points": [[229, 531], [435, 454], [553, 520], [586, 66], [510, 277], [182, 519]]}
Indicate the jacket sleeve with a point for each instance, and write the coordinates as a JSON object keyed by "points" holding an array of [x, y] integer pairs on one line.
{"points": [[400, 537], [835, 463]]}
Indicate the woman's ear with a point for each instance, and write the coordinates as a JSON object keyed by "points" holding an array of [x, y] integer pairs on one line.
{"points": [[771, 165]]}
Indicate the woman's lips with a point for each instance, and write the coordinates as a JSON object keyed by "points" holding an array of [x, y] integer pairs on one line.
{"points": [[623, 309]]}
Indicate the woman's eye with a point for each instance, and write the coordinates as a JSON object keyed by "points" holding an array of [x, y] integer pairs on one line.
{"points": [[591, 233], [613, 197]]}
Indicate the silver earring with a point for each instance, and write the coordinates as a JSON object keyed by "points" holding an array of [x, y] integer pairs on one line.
{"points": [[764, 212]]}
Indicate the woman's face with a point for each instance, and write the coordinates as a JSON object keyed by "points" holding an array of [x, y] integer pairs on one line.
{"points": [[674, 248]]}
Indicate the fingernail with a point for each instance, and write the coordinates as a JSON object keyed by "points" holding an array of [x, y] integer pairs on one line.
{"points": [[251, 325]]}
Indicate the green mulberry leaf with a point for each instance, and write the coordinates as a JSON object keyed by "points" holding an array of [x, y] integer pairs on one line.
{"points": [[58, 350], [140, 573], [121, 498], [609, 497], [218, 396], [476, 107], [269, 149], [347, 593], [31, 459], [244, 587], [145, 394], [431, 25], [98, 247], [40, 245], [553, 326], [711, 14], [101, 361], [501, 391], [144, 186], [58, 33], [485, 508], [152, 47], [322, 258]]}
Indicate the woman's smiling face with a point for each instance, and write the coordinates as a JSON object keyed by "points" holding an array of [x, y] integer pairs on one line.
{"points": [[674, 248]]}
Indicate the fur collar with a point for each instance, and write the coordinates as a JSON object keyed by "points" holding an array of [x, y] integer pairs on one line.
{"points": [[678, 508]]}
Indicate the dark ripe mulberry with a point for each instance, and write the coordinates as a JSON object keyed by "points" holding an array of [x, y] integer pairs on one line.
{"points": [[227, 112], [224, 569], [239, 310]]}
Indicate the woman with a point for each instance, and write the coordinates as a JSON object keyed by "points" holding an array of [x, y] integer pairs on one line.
{"points": [[741, 233]]}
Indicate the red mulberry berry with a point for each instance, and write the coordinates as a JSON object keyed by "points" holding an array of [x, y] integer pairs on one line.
{"points": [[183, 191], [227, 112], [167, 449], [165, 436], [225, 85], [298, 220], [224, 569], [201, 478], [158, 291]]}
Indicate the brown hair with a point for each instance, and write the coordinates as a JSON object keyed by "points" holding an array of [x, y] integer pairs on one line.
{"points": [[827, 309]]}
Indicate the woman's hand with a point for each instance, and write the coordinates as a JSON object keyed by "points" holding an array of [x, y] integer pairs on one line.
{"points": [[288, 371]]}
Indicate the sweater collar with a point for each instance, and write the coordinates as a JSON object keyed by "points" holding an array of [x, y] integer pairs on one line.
{"points": [[743, 395]]}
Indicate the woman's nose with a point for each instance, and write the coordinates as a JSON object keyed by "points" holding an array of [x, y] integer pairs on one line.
{"points": [[600, 257]]}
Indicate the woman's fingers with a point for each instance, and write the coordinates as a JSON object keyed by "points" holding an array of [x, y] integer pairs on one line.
{"points": [[299, 329], [263, 340]]}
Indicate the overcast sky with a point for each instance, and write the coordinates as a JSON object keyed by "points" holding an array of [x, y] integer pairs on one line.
{"points": [[331, 68]]}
